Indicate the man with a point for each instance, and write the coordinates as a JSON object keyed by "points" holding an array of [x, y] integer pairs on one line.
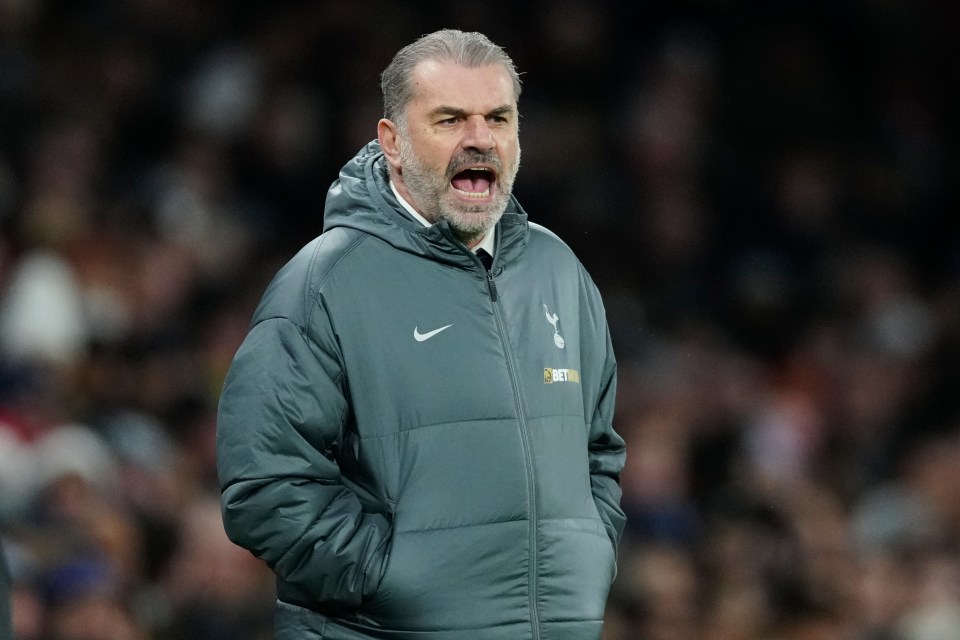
{"points": [[419, 445]]}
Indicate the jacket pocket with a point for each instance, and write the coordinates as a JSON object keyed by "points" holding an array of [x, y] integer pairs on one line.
{"points": [[297, 623], [577, 565], [466, 577]]}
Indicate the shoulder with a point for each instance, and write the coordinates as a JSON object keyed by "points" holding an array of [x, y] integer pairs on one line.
{"points": [[539, 233], [294, 289], [545, 244], [313, 264], [543, 240]]}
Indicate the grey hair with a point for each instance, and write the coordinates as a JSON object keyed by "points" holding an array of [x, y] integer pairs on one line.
{"points": [[469, 49]]}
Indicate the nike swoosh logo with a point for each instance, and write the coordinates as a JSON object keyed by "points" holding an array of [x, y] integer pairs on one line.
{"points": [[420, 337]]}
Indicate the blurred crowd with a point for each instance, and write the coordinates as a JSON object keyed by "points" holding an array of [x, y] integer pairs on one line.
{"points": [[766, 194]]}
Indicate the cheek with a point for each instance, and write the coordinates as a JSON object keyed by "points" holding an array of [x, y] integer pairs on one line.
{"points": [[510, 157], [438, 160], [433, 150], [509, 147]]}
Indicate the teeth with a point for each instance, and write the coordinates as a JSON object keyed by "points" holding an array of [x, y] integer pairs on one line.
{"points": [[474, 194]]}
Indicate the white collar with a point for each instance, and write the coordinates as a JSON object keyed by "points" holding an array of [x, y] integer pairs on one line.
{"points": [[487, 244]]}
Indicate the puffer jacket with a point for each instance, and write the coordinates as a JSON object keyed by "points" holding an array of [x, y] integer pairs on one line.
{"points": [[420, 448]]}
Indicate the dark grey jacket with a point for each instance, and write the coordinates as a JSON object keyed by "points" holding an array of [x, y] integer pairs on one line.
{"points": [[420, 448]]}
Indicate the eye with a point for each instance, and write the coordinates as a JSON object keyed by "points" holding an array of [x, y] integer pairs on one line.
{"points": [[497, 119], [452, 120]]}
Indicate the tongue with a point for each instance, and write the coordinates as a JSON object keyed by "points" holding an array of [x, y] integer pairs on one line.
{"points": [[471, 183]]}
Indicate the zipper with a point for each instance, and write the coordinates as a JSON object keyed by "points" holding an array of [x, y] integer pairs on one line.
{"points": [[491, 286], [488, 273], [524, 440], [528, 460]]}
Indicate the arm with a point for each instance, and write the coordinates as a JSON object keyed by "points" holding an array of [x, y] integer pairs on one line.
{"points": [[280, 416], [607, 453]]}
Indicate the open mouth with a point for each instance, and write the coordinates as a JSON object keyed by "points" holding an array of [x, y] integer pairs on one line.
{"points": [[474, 182]]}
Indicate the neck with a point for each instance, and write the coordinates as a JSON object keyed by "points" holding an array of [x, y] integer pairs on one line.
{"points": [[471, 240]]}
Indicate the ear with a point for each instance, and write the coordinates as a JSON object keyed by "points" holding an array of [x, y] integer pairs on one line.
{"points": [[389, 140]]}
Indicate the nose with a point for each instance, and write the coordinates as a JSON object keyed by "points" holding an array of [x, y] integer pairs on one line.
{"points": [[477, 134]]}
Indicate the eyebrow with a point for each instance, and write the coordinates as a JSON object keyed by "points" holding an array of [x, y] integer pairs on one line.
{"points": [[445, 110]]}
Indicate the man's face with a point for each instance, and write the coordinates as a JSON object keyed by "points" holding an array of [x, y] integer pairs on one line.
{"points": [[459, 150]]}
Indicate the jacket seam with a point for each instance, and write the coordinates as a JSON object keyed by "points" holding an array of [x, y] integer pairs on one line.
{"points": [[301, 331], [450, 423], [457, 526], [313, 290], [373, 557], [311, 303], [504, 521]]}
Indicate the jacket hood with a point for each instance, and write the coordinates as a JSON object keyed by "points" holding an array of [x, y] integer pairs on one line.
{"points": [[361, 199]]}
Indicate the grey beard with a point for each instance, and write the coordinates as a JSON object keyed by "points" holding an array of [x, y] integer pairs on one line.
{"points": [[429, 190]]}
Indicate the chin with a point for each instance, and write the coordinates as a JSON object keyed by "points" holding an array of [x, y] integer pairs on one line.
{"points": [[476, 225], [473, 218]]}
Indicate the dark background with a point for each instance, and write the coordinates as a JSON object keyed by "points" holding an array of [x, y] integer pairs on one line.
{"points": [[765, 193]]}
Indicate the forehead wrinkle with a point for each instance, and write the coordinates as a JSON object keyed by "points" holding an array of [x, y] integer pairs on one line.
{"points": [[447, 110], [457, 111]]}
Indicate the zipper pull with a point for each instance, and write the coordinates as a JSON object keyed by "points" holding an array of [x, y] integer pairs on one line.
{"points": [[492, 286]]}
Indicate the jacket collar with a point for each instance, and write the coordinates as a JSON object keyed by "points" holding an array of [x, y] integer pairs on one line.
{"points": [[361, 198]]}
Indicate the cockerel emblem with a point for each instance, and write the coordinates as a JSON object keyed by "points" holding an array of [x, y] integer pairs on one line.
{"points": [[552, 318]]}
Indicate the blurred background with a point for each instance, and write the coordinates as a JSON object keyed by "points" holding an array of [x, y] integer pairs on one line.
{"points": [[765, 192]]}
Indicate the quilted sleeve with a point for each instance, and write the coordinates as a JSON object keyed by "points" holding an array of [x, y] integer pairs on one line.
{"points": [[279, 422], [607, 453]]}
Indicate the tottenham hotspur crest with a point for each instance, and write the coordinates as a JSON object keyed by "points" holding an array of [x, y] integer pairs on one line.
{"points": [[552, 318]]}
